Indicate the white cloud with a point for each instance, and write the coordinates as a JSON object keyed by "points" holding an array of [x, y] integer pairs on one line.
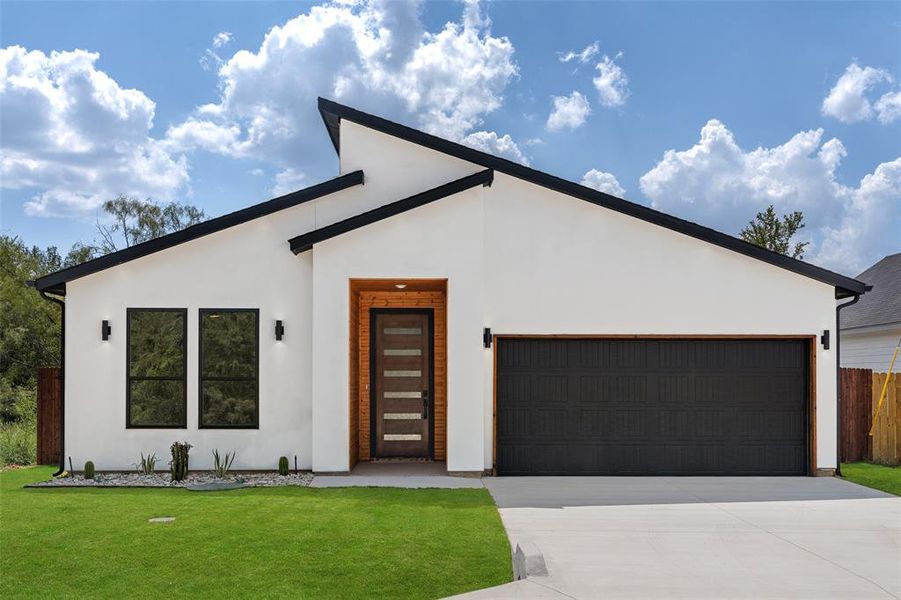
{"points": [[568, 112], [612, 83], [583, 56], [287, 181], [719, 184], [222, 38], [847, 101], [888, 107], [503, 146], [78, 138], [374, 55], [603, 182]]}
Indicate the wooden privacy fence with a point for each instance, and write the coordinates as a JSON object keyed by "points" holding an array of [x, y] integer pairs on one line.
{"points": [[860, 390], [48, 415], [856, 391]]}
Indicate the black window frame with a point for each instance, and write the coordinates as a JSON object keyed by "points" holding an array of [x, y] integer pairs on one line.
{"points": [[129, 378], [200, 378]]}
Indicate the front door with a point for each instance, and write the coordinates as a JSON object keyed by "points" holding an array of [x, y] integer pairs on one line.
{"points": [[402, 396]]}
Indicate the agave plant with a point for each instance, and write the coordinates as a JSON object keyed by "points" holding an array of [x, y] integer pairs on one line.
{"points": [[147, 465], [221, 464]]}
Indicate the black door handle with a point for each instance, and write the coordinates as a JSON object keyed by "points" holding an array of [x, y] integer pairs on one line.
{"points": [[425, 404]]}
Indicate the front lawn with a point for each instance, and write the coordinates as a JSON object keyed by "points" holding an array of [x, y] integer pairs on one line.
{"points": [[275, 542], [880, 477]]}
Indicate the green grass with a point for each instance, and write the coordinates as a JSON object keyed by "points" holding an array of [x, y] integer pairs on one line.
{"points": [[880, 477], [275, 542]]}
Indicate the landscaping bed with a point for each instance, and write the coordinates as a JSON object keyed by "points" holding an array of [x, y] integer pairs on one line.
{"points": [[164, 480]]}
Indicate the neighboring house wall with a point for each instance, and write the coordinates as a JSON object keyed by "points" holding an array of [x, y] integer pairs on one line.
{"points": [[871, 347]]}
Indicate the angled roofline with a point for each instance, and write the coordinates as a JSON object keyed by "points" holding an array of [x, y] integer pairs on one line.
{"points": [[304, 242], [332, 113], [56, 282]]}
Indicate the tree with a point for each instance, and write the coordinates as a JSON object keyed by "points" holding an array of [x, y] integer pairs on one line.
{"points": [[135, 221], [771, 232]]}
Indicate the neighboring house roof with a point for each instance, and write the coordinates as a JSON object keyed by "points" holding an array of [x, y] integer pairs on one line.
{"points": [[883, 304], [333, 112], [305, 242], [56, 282]]}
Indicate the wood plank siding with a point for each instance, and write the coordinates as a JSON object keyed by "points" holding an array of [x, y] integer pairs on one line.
{"points": [[418, 294]]}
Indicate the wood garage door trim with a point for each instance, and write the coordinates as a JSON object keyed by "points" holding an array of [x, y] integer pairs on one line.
{"points": [[811, 370]]}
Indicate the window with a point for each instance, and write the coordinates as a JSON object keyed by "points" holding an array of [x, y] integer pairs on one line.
{"points": [[156, 367], [229, 368]]}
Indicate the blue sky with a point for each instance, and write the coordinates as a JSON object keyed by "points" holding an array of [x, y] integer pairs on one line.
{"points": [[710, 111]]}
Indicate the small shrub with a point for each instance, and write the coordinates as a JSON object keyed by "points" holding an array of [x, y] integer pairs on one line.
{"points": [[178, 466], [147, 465], [283, 466], [221, 465], [18, 443], [89, 470]]}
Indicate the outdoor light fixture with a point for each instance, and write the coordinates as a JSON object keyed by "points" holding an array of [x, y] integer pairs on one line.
{"points": [[824, 339], [486, 337], [279, 330], [105, 330]]}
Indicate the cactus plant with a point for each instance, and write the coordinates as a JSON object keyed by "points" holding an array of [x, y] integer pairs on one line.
{"points": [[178, 466], [89, 470], [283, 466]]}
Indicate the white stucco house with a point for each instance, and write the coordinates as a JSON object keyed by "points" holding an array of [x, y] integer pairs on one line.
{"points": [[434, 302], [871, 328]]}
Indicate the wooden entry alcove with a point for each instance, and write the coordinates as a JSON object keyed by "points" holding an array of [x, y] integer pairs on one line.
{"points": [[366, 294]]}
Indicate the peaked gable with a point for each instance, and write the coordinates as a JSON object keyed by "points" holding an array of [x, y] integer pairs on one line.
{"points": [[333, 113]]}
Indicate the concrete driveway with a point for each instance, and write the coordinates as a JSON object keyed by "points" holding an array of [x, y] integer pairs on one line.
{"points": [[702, 537]]}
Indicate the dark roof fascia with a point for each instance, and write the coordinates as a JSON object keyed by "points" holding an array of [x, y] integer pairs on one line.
{"points": [[56, 282], [332, 112], [304, 242]]}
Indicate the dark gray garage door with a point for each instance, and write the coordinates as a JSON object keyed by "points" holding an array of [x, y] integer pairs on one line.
{"points": [[647, 407]]}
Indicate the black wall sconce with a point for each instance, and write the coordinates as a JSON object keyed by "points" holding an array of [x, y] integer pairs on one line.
{"points": [[824, 339], [486, 337], [105, 330], [279, 330]]}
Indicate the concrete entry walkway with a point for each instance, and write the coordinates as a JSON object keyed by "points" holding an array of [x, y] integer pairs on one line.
{"points": [[397, 474], [702, 537]]}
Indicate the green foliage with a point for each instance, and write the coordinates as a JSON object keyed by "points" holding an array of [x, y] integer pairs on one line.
{"points": [[221, 465], [18, 443], [147, 465], [89, 470], [768, 231], [229, 346], [29, 325], [178, 466], [18, 423], [283, 466], [135, 221]]}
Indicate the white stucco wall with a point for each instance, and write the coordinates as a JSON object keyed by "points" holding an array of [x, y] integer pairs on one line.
{"points": [[871, 347], [518, 258], [247, 266]]}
